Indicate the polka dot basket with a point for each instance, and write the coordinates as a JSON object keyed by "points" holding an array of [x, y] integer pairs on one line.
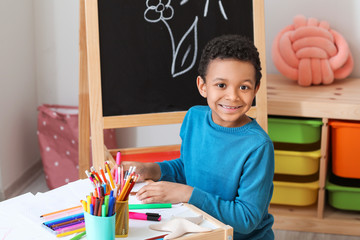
{"points": [[58, 141]]}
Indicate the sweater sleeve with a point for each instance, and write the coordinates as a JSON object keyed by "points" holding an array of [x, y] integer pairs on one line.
{"points": [[172, 171], [254, 193]]}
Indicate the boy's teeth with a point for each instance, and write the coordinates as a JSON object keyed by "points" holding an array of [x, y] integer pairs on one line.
{"points": [[228, 107]]}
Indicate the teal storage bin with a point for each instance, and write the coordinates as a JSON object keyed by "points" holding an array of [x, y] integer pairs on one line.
{"points": [[341, 197]]}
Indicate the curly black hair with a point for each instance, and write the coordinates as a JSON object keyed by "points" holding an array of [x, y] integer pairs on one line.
{"points": [[233, 47]]}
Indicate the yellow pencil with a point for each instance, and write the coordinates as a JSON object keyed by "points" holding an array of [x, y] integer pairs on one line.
{"points": [[108, 171], [84, 205], [124, 190], [70, 232]]}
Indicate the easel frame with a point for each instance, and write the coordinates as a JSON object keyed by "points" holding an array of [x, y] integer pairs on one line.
{"points": [[91, 117]]}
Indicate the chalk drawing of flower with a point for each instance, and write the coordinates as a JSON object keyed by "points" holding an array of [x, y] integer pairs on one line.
{"points": [[158, 10], [161, 10]]}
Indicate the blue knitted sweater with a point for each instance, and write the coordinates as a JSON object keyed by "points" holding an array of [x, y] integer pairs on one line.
{"points": [[231, 170]]}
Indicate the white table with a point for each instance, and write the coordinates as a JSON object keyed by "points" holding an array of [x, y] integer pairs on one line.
{"points": [[20, 216]]}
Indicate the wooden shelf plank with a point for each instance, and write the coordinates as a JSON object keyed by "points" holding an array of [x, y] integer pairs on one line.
{"points": [[304, 219], [340, 100]]}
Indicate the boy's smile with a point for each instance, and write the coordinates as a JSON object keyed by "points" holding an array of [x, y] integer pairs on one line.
{"points": [[229, 88]]}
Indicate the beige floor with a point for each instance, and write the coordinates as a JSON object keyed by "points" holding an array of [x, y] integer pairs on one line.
{"points": [[39, 185]]}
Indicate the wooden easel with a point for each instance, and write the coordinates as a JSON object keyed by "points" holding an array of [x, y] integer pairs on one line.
{"points": [[90, 99]]}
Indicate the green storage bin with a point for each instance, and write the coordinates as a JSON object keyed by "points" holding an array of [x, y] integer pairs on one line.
{"points": [[345, 198], [294, 130]]}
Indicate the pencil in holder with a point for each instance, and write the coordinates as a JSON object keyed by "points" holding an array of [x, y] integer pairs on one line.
{"points": [[122, 219], [99, 227]]}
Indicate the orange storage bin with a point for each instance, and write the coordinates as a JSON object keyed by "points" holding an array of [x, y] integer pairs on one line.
{"points": [[345, 148]]}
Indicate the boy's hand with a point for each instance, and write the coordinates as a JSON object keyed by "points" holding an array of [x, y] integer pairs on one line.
{"points": [[145, 170], [164, 192]]}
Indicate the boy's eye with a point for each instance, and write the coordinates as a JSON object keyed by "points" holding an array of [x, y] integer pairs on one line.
{"points": [[221, 85], [244, 87]]}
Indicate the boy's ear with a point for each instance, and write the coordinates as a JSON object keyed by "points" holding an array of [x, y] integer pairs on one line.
{"points": [[201, 86], [257, 88]]}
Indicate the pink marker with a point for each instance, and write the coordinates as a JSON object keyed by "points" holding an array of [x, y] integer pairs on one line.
{"points": [[118, 158], [145, 216], [118, 162]]}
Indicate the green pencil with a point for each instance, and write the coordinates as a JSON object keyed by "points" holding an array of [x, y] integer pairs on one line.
{"points": [[79, 236], [149, 206]]}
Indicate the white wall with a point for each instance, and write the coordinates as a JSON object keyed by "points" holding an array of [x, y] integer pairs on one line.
{"points": [[39, 64], [18, 96], [57, 51]]}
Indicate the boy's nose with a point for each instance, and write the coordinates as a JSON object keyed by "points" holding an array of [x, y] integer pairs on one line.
{"points": [[232, 94]]}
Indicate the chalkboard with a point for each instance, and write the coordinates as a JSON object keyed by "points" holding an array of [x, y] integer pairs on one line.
{"points": [[149, 50], [139, 59]]}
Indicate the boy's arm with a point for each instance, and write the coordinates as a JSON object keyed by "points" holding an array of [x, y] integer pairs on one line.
{"points": [[153, 171], [172, 171], [146, 171]]}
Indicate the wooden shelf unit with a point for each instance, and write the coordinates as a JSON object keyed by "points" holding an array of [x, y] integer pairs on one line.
{"points": [[339, 100]]}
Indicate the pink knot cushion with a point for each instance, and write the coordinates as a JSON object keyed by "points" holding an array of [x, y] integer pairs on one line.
{"points": [[311, 53]]}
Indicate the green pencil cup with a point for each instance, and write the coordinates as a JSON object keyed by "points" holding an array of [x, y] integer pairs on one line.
{"points": [[122, 219], [99, 227]]}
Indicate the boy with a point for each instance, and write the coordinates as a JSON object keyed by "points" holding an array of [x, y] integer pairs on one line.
{"points": [[226, 165]]}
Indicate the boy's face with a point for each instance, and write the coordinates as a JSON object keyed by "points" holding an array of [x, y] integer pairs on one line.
{"points": [[229, 89]]}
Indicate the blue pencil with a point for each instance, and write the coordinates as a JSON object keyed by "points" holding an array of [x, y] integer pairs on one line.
{"points": [[64, 219]]}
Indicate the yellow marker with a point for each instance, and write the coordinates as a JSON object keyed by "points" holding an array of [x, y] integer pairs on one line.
{"points": [[70, 232], [109, 173], [88, 203]]}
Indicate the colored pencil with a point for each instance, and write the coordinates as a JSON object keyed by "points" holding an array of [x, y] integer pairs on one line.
{"points": [[71, 228], [79, 236], [62, 214], [68, 223], [96, 174], [109, 174], [103, 174], [61, 211], [70, 232], [64, 219], [157, 237]]}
